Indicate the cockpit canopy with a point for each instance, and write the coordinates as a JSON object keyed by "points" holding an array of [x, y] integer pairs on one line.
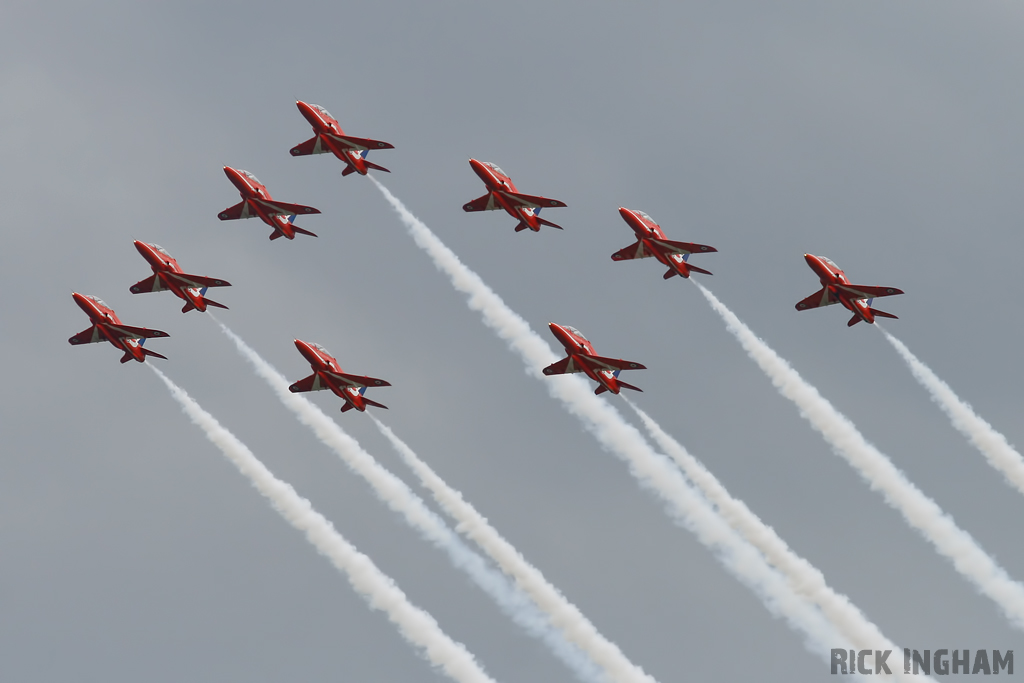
{"points": [[830, 262], [160, 249], [319, 348], [494, 167], [576, 332], [323, 111], [646, 217], [97, 300], [251, 177]]}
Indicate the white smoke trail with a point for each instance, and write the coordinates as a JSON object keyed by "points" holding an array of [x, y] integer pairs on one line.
{"points": [[983, 436], [655, 472], [401, 499], [805, 579], [418, 627], [920, 511], [564, 615]]}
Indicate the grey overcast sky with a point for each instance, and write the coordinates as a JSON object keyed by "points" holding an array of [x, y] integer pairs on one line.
{"points": [[885, 135]]}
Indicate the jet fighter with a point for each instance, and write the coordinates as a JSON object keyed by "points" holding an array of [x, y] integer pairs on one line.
{"points": [[106, 326], [327, 374], [168, 275], [256, 201], [836, 289], [583, 358], [502, 194], [650, 241], [329, 138]]}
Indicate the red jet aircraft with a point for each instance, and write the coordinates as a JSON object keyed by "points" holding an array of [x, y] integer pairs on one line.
{"points": [[106, 326], [167, 274], [330, 138], [256, 201], [836, 289], [583, 358], [650, 241], [502, 194], [327, 374]]}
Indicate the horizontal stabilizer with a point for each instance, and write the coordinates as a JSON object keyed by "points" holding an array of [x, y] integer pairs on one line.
{"points": [[374, 403], [370, 164], [209, 302], [883, 314], [854, 320], [625, 385], [347, 407], [147, 352], [549, 223], [349, 170], [303, 231], [697, 269], [522, 226], [671, 272]]}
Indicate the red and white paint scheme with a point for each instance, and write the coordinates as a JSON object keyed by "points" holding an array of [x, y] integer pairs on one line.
{"points": [[327, 374], [836, 289], [650, 241], [106, 326], [257, 202], [329, 138], [502, 194], [583, 358], [168, 275]]}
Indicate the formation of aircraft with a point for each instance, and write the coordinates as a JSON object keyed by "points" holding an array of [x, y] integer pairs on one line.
{"points": [[168, 275], [837, 289], [582, 358], [327, 374], [329, 138], [502, 194], [106, 326], [651, 241], [257, 202]]}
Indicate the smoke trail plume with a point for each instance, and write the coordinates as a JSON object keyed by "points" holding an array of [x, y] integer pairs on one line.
{"points": [[655, 472], [418, 627], [920, 511], [983, 436], [564, 615], [805, 579], [401, 499]]}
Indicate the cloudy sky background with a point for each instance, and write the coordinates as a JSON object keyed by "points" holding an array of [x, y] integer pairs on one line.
{"points": [[884, 135]]}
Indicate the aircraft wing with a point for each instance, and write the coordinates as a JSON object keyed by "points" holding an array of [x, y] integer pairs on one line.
{"points": [[150, 284], [683, 247], [135, 332], [349, 142], [615, 363], [197, 281], [275, 208], [233, 213], [311, 383], [485, 203], [358, 381], [311, 146], [531, 201], [566, 366], [637, 250], [866, 292], [90, 335], [822, 297]]}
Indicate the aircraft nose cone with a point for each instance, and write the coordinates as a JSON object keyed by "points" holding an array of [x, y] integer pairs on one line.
{"points": [[623, 211], [810, 258]]}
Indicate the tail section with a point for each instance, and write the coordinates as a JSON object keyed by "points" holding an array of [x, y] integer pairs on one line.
{"points": [[145, 352], [349, 170], [370, 164], [884, 314], [374, 403], [549, 223], [522, 226], [625, 385], [303, 232]]}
